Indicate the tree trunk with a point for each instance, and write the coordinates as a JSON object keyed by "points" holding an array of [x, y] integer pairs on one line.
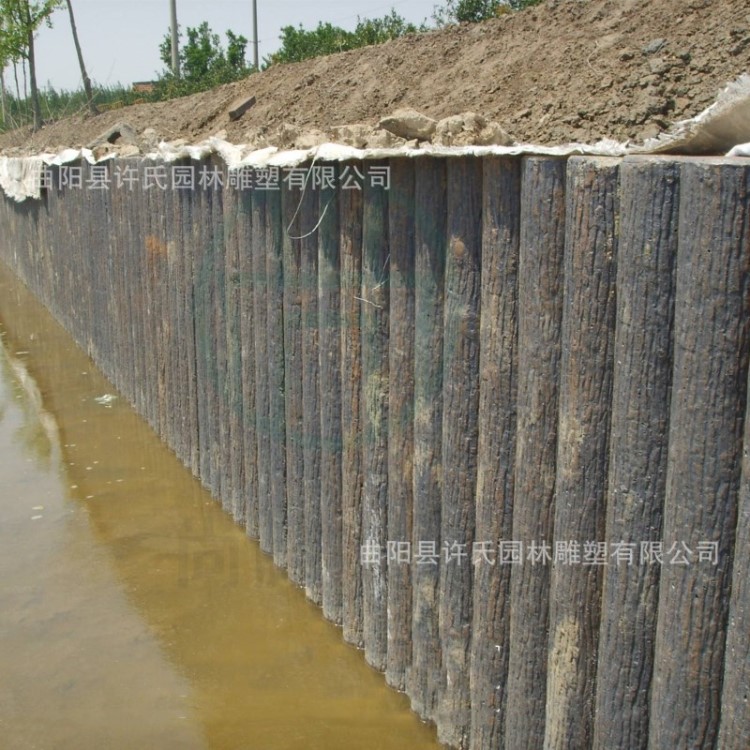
{"points": [[84, 74], [2, 96], [18, 90], [32, 72]]}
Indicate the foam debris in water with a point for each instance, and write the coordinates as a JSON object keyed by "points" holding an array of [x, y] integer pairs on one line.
{"points": [[106, 400]]}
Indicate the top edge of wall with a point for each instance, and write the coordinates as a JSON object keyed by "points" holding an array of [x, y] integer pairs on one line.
{"points": [[722, 128]]}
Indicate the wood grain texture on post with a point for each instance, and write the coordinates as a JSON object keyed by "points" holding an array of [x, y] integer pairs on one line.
{"points": [[119, 328], [583, 440], [177, 356], [329, 327], [96, 250], [168, 242], [374, 300], [164, 339], [276, 407], [199, 293], [218, 344], [705, 451], [311, 448], [204, 280], [182, 363], [262, 396], [430, 211], [152, 270], [647, 248], [90, 306], [400, 418], [293, 336], [734, 731], [153, 258], [213, 260], [460, 436], [187, 318], [540, 289], [173, 334], [350, 207], [140, 301], [202, 301], [247, 336], [235, 434], [493, 561], [157, 210], [230, 456]]}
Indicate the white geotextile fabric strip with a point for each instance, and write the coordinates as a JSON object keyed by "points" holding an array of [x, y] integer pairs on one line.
{"points": [[724, 125], [722, 128]]}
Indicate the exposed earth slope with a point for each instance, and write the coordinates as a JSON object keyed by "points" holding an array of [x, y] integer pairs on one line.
{"points": [[567, 70]]}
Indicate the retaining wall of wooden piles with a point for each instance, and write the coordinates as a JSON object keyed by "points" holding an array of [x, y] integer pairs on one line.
{"points": [[490, 413]]}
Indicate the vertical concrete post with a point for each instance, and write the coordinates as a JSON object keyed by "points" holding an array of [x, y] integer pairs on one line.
{"points": [[277, 414], [330, 352], [293, 342], [540, 303], [375, 306], [262, 397], [350, 246], [235, 421], [647, 251], [705, 449], [247, 332], [430, 236], [583, 442], [493, 558], [400, 418], [311, 435], [460, 437]]}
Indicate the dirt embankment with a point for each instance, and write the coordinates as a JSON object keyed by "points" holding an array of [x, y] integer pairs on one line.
{"points": [[567, 70]]}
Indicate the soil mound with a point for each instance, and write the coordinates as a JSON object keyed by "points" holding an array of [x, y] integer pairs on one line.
{"points": [[566, 70]]}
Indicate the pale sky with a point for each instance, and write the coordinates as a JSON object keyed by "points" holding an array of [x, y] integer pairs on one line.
{"points": [[120, 38]]}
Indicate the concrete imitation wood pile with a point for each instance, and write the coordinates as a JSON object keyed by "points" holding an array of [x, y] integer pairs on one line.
{"points": [[490, 413]]}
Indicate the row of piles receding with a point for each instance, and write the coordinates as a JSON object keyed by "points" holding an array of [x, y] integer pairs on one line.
{"points": [[384, 384]]}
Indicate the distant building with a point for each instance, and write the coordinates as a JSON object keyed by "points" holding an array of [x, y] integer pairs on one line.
{"points": [[143, 87]]}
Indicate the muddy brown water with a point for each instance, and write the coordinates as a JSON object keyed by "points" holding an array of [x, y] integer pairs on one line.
{"points": [[133, 612]]}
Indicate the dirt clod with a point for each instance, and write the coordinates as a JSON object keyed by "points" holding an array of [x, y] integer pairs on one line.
{"points": [[408, 123]]}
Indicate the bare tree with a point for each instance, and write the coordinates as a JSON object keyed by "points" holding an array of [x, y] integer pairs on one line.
{"points": [[84, 74], [30, 28], [2, 95]]}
